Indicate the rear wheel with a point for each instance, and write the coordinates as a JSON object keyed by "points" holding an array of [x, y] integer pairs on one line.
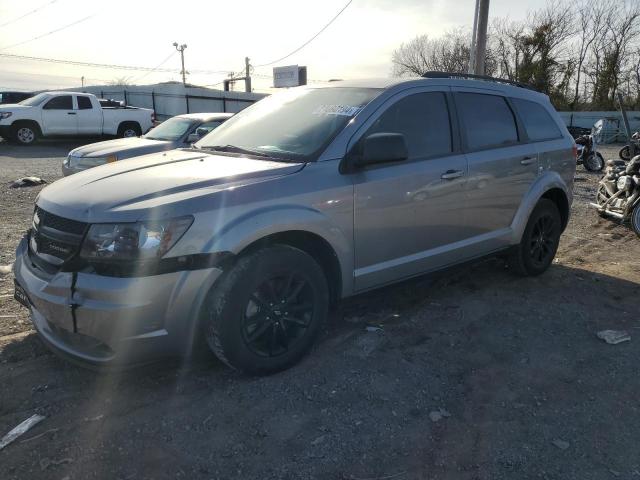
{"points": [[267, 310], [129, 129], [539, 241], [625, 153]]}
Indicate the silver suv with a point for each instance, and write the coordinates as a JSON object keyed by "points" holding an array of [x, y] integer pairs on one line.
{"points": [[302, 199]]}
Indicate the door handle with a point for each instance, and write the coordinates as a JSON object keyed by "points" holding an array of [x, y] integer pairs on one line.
{"points": [[451, 174], [527, 161], [71, 113]]}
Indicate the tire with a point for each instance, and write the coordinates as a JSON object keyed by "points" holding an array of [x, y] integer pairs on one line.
{"points": [[635, 219], [625, 153], [129, 130], [535, 252], [594, 163], [248, 324], [24, 134]]}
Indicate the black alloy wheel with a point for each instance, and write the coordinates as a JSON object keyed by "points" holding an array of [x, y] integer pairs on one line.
{"points": [[278, 314]]}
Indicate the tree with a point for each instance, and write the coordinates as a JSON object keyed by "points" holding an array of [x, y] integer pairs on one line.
{"points": [[591, 24], [581, 57], [121, 82], [612, 57], [449, 53]]}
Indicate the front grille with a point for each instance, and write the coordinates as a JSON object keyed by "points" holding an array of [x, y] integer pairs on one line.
{"points": [[58, 223], [55, 236], [51, 247]]}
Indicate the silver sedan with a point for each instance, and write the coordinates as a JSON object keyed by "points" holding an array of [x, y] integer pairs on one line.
{"points": [[176, 132]]}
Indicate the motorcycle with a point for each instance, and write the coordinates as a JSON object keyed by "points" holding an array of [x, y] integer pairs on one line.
{"points": [[588, 154], [618, 193], [625, 152]]}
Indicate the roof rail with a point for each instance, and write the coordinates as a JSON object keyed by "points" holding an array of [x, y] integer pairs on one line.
{"points": [[436, 74]]}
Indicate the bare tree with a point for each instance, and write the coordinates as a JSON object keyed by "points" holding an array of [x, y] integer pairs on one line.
{"points": [[121, 82], [579, 57], [622, 29], [449, 53], [591, 24]]}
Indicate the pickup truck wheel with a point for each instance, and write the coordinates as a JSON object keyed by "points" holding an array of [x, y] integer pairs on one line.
{"points": [[128, 130], [265, 313], [539, 242], [24, 134]]}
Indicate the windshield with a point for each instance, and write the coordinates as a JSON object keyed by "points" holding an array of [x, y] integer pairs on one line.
{"points": [[171, 129], [33, 101], [293, 125]]}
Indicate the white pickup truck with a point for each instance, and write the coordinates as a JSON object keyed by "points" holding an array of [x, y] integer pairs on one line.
{"points": [[52, 114]]}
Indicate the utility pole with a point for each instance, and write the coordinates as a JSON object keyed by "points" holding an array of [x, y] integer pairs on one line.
{"points": [[481, 38], [247, 75], [181, 48], [474, 35], [82, 80]]}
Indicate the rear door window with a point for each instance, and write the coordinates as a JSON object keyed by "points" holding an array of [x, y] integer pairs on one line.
{"points": [[538, 124], [63, 102], [488, 120], [84, 103], [423, 119]]}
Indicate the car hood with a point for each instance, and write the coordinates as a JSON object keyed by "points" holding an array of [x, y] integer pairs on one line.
{"points": [[122, 148], [162, 183]]}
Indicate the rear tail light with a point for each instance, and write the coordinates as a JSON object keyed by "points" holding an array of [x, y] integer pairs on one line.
{"points": [[575, 151]]}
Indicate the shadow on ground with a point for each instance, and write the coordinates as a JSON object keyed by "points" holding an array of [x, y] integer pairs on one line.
{"points": [[514, 362]]}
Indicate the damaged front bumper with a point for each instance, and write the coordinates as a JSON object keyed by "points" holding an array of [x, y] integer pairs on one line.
{"points": [[104, 320]]}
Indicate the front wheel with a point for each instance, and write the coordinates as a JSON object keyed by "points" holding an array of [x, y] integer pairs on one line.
{"points": [[625, 153], [535, 252], [24, 135], [594, 162], [635, 219], [267, 310]]}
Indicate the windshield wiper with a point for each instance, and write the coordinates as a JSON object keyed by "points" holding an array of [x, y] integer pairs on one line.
{"points": [[235, 149]]}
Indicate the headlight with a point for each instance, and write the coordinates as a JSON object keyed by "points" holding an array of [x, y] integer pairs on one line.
{"points": [[625, 182], [133, 241], [74, 161], [4, 115]]}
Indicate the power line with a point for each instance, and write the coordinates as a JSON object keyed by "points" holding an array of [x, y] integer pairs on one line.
{"points": [[310, 40], [105, 65], [27, 14], [48, 33], [169, 57]]}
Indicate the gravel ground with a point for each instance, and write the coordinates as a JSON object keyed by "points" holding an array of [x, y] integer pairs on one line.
{"points": [[472, 374]]}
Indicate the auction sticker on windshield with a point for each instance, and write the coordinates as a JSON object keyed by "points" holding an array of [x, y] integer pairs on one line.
{"points": [[346, 110]]}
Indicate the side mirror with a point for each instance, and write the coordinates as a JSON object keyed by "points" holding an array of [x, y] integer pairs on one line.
{"points": [[193, 137], [381, 148]]}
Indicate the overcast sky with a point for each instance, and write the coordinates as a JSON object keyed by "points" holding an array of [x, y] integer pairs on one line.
{"points": [[219, 34]]}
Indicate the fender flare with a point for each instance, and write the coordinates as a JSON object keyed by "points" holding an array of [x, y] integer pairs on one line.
{"points": [[245, 230], [547, 181]]}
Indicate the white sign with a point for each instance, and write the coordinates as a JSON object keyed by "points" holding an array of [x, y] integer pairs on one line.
{"points": [[286, 76]]}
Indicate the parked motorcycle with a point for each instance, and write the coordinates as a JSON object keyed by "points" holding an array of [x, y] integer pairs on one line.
{"points": [[625, 152], [618, 194], [588, 154]]}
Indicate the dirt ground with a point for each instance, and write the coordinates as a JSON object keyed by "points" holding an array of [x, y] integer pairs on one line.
{"points": [[474, 374]]}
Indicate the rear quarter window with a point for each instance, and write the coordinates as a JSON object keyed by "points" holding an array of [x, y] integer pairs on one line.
{"points": [[488, 120], [538, 124]]}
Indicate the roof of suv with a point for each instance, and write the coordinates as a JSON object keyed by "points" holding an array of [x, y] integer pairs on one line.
{"points": [[487, 83]]}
